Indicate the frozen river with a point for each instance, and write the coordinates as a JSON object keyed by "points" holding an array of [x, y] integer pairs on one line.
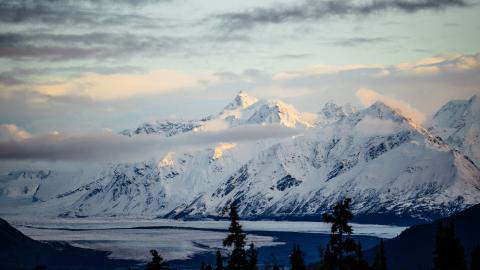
{"points": [[131, 238]]}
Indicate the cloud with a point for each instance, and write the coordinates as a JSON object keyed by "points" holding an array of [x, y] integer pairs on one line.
{"points": [[113, 147], [357, 41], [314, 10], [114, 86], [79, 46], [426, 66], [10, 132], [368, 97], [369, 126], [59, 53], [68, 13], [437, 64]]}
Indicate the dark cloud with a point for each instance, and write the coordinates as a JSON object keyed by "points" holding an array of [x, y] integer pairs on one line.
{"points": [[58, 53], [18, 76], [357, 41], [110, 147], [88, 45], [75, 13], [313, 10], [9, 79]]}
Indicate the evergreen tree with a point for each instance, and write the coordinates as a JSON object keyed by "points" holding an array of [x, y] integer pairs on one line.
{"points": [[360, 262], [202, 267], [322, 258], [219, 261], [208, 267], [251, 257], [328, 260], [448, 252], [157, 262], [296, 259], [475, 258], [380, 261], [236, 238], [275, 267], [341, 244]]}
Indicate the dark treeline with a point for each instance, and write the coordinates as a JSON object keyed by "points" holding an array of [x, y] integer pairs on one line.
{"points": [[340, 253]]}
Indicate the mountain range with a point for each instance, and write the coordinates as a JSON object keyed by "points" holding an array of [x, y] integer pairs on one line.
{"points": [[388, 164]]}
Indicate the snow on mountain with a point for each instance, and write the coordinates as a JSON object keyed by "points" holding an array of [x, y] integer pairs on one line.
{"points": [[332, 112], [241, 101], [243, 110], [154, 187], [403, 171], [384, 161], [250, 110], [166, 128], [21, 184], [458, 123]]}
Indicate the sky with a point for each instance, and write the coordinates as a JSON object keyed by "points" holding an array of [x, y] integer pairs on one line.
{"points": [[91, 66]]}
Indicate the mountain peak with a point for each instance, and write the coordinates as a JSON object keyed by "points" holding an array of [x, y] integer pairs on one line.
{"points": [[383, 111], [242, 100], [333, 111]]}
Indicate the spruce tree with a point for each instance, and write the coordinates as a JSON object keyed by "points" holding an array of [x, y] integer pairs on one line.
{"points": [[296, 258], [157, 262], [380, 261], [475, 258], [235, 238], [251, 254], [219, 261], [328, 259], [360, 262], [341, 243], [448, 252]]}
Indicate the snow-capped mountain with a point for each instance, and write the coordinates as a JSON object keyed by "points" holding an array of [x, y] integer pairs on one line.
{"points": [[384, 161], [458, 123], [165, 128], [402, 170], [250, 110], [21, 184], [243, 110], [332, 112]]}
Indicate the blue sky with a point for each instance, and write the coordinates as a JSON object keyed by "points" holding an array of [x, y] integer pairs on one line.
{"points": [[81, 66]]}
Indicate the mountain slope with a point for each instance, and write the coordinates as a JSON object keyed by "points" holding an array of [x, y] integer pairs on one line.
{"points": [[385, 162], [388, 164], [417, 243], [458, 123], [243, 110], [18, 251]]}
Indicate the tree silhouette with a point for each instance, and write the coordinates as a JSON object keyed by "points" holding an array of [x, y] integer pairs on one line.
{"points": [[157, 262], [475, 258], [448, 252], [360, 262], [380, 261], [219, 261], [341, 244], [251, 257], [235, 238], [296, 259]]}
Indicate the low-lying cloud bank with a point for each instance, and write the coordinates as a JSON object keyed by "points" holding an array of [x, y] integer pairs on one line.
{"points": [[114, 147]]}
